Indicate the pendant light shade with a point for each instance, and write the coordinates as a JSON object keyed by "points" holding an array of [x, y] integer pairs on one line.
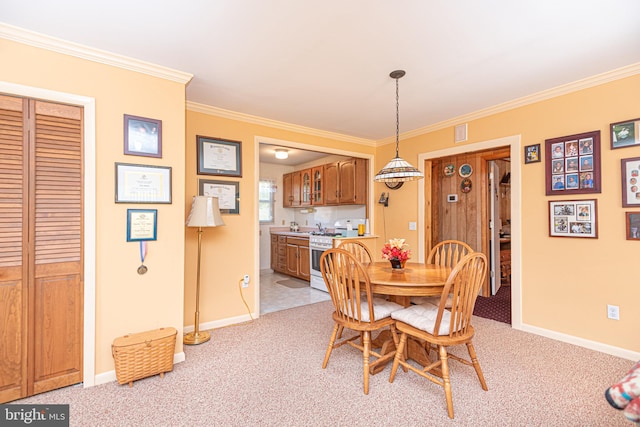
{"points": [[398, 169]]}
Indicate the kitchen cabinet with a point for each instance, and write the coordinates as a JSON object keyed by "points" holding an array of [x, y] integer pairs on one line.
{"points": [[291, 189], [290, 255], [337, 183], [298, 257], [317, 189], [279, 253], [345, 182], [305, 187]]}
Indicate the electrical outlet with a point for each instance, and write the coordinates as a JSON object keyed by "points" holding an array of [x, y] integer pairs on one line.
{"points": [[613, 312], [245, 281]]}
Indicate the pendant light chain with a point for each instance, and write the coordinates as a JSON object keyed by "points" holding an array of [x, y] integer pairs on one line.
{"points": [[397, 116], [397, 170]]}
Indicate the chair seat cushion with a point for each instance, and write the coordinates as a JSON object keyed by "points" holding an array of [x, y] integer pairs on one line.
{"points": [[381, 307], [423, 317]]}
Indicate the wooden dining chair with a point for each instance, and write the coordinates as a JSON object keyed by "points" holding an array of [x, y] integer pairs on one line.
{"points": [[356, 309], [445, 327], [358, 249], [446, 254]]}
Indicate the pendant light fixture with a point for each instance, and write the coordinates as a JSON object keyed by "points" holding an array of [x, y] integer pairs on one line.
{"points": [[398, 170]]}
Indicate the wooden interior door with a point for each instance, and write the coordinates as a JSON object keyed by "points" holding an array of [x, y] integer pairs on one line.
{"points": [[41, 299]]}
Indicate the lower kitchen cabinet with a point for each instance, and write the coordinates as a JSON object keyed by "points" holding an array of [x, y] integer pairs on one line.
{"points": [[290, 255]]}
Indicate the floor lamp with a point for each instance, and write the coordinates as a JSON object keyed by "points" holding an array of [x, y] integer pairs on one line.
{"points": [[204, 213]]}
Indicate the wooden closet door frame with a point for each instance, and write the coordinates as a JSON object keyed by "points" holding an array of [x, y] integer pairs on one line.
{"points": [[424, 200], [89, 236]]}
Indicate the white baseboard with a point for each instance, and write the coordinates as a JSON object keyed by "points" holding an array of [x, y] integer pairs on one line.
{"points": [[110, 376], [581, 342], [221, 323]]}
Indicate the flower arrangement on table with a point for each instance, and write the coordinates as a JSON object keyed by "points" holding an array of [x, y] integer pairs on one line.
{"points": [[396, 251]]}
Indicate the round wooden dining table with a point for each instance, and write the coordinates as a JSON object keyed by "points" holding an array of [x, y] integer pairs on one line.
{"points": [[415, 280], [412, 281]]}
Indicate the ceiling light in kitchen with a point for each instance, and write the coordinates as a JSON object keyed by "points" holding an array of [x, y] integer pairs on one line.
{"points": [[281, 153]]}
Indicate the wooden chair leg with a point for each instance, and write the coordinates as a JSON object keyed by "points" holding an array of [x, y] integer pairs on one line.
{"points": [[446, 380], [332, 341], [366, 338], [398, 356], [476, 365]]}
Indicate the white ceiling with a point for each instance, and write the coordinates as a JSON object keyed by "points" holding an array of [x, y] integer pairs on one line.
{"points": [[326, 64]]}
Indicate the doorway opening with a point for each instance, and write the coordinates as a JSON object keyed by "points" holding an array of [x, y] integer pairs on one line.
{"points": [[453, 209]]}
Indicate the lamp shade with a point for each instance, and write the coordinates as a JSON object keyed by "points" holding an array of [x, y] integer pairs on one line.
{"points": [[205, 212], [398, 170]]}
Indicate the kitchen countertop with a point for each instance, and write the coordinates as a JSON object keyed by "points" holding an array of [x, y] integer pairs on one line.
{"points": [[305, 233]]}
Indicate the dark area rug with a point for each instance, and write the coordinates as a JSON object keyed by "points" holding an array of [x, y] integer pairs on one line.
{"points": [[496, 307], [293, 283]]}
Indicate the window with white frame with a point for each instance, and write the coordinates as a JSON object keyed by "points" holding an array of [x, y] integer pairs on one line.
{"points": [[265, 200]]}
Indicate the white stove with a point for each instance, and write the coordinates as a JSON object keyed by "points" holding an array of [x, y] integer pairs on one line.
{"points": [[317, 245]]}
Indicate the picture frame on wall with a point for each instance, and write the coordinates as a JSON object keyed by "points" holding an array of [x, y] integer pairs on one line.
{"points": [[625, 133], [633, 225], [142, 225], [227, 192], [142, 136], [573, 164], [532, 153], [221, 157], [630, 169], [142, 183], [573, 218]]}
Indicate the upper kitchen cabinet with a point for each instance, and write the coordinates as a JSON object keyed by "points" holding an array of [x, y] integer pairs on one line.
{"points": [[345, 182], [317, 191], [337, 183], [305, 187], [291, 186]]}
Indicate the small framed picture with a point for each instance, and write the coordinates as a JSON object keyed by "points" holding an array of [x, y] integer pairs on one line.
{"points": [[633, 225], [630, 182], [573, 164], [625, 134], [142, 183], [573, 218], [532, 153], [142, 224], [220, 157], [227, 192], [142, 136], [465, 170]]}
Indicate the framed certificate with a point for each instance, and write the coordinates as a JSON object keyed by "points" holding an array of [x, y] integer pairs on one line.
{"points": [[142, 224], [227, 192], [220, 157], [142, 184]]}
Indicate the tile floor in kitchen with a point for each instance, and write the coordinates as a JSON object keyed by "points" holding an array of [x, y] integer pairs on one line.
{"points": [[276, 297]]}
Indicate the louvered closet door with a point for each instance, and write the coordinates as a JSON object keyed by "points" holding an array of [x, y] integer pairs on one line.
{"points": [[40, 247]]}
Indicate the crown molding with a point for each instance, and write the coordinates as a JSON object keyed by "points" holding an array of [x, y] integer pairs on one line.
{"points": [[227, 114], [599, 79], [31, 38]]}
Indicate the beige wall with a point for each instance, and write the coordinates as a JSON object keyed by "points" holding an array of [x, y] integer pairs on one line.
{"points": [[231, 251], [125, 301], [566, 282]]}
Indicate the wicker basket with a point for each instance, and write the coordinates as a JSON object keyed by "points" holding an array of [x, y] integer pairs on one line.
{"points": [[144, 354]]}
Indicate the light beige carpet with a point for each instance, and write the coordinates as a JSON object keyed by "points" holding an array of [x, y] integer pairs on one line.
{"points": [[268, 372]]}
